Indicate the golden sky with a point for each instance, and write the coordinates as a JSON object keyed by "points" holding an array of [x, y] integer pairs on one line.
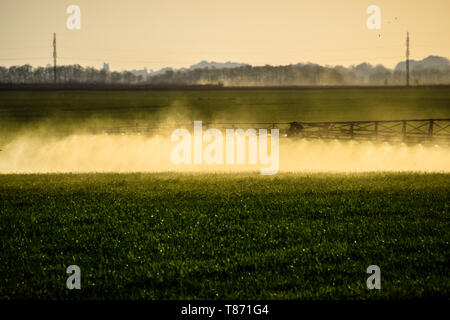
{"points": [[158, 33]]}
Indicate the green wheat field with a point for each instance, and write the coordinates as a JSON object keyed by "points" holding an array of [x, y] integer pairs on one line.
{"points": [[222, 236]]}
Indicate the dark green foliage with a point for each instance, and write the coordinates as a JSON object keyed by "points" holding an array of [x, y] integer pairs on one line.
{"points": [[172, 236]]}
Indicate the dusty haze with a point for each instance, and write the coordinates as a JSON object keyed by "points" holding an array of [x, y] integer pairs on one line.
{"points": [[79, 153]]}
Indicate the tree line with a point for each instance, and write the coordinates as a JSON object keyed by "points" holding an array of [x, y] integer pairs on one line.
{"points": [[289, 75]]}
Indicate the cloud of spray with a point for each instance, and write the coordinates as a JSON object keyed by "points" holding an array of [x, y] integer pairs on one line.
{"points": [[138, 153]]}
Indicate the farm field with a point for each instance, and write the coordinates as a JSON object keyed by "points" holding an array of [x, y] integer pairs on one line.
{"points": [[68, 111], [168, 235], [227, 236]]}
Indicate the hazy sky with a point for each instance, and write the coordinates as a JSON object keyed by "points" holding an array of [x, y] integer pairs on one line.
{"points": [[157, 33]]}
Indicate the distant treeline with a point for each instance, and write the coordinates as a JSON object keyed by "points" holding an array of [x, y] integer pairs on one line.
{"points": [[290, 75]]}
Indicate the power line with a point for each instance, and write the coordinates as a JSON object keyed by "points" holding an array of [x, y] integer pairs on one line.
{"points": [[12, 59], [118, 60], [300, 51], [23, 48]]}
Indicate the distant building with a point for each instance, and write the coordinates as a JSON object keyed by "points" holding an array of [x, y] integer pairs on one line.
{"points": [[142, 72], [106, 67]]}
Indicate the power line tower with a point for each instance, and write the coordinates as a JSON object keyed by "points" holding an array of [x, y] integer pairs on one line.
{"points": [[407, 59], [54, 57]]}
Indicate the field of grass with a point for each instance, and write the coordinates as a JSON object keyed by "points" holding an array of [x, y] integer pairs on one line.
{"points": [[67, 112], [76, 108], [227, 236], [141, 236]]}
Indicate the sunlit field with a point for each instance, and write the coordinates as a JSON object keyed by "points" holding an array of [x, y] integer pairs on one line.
{"points": [[61, 112], [140, 227], [241, 236]]}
